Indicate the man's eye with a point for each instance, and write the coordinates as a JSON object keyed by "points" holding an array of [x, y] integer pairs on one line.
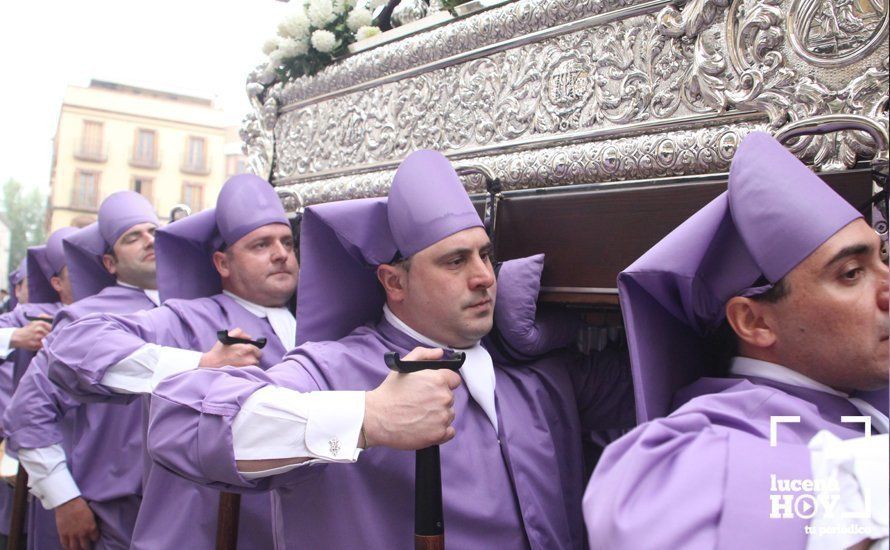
{"points": [[853, 274], [456, 261]]}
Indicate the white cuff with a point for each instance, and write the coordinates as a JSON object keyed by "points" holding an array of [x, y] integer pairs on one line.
{"points": [[48, 475], [9, 466], [141, 371], [173, 361], [55, 490], [277, 422], [333, 428], [5, 337], [852, 487]]}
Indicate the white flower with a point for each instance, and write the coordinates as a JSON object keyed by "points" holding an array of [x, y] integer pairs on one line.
{"points": [[270, 46], [277, 55], [359, 17], [320, 12], [324, 41], [295, 26], [366, 32], [291, 48], [287, 48], [341, 6], [269, 74]]}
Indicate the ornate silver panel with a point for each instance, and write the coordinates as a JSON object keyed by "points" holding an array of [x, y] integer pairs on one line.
{"points": [[501, 23], [552, 111], [669, 154]]}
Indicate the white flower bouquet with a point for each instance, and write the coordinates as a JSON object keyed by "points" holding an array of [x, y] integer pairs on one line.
{"points": [[316, 35]]}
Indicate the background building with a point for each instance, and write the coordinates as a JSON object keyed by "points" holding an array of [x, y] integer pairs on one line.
{"points": [[236, 162], [170, 147], [4, 252]]}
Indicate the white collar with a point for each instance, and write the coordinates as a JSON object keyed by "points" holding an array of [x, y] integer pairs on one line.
{"points": [[283, 322], [747, 366], [477, 372], [403, 327], [258, 310], [151, 293]]}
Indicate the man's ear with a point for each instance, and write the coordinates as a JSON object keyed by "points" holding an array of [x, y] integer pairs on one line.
{"points": [[221, 263], [110, 263], [748, 321], [56, 283], [394, 281]]}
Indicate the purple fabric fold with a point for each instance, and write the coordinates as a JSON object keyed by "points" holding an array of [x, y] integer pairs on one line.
{"points": [[673, 297]]}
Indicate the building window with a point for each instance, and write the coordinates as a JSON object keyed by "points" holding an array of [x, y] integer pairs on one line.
{"points": [[195, 156], [86, 190], [235, 164], [145, 150], [145, 187], [91, 142], [193, 196]]}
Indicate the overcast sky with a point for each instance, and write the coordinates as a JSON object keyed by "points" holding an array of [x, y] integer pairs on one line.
{"points": [[201, 47]]}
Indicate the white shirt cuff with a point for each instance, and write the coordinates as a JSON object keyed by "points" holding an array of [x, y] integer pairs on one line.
{"points": [[145, 368], [853, 475], [276, 423], [5, 337], [48, 475], [9, 466]]}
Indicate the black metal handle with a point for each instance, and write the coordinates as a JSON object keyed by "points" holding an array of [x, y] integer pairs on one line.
{"points": [[394, 362], [223, 336], [34, 318]]}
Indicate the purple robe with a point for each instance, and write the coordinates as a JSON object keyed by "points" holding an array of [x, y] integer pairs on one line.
{"points": [[701, 477], [10, 373], [185, 324], [519, 489], [102, 441]]}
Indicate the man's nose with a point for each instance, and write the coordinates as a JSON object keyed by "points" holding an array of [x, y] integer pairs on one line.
{"points": [[483, 274], [279, 251]]}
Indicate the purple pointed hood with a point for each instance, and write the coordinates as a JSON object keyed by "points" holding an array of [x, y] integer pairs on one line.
{"points": [[16, 277], [19, 273], [427, 202], [775, 213], [342, 243], [122, 210], [185, 248], [44, 262], [85, 248]]}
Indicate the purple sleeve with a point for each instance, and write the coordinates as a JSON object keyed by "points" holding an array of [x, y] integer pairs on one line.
{"points": [[15, 318], [80, 354], [190, 428], [684, 482], [35, 412]]}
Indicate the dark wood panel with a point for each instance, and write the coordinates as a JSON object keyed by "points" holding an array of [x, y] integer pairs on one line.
{"points": [[589, 236]]}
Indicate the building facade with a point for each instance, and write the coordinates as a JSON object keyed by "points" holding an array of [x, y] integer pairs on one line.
{"points": [[170, 147], [5, 245]]}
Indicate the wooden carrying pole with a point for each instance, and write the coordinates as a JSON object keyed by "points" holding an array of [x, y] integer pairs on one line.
{"points": [[227, 521], [19, 509], [230, 503], [429, 524]]}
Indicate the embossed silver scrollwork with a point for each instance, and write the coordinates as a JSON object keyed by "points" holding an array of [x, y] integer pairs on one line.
{"points": [[670, 154], [760, 64]]}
